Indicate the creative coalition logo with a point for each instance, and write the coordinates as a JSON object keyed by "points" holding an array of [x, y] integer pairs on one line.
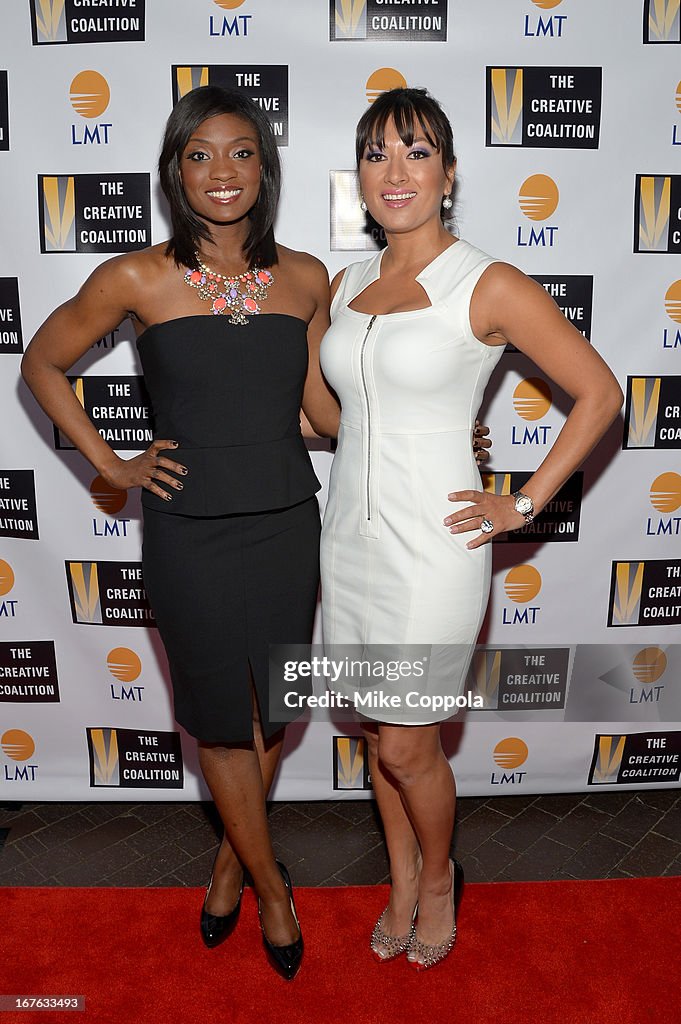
{"points": [[4, 112], [8, 607], [657, 213], [125, 666], [520, 679], [544, 108], [232, 25], [350, 227], [90, 94], [522, 585], [18, 510], [18, 746], [661, 21], [665, 497], [558, 520], [265, 84], [542, 26], [573, 294], [11, 337], [103, 213], [645, 593], [509, 753], [133, 759], [350, 763], [119, 408], [109, 501], [531, 401], [370, 20], [108, 594], [538, 199], [71, 21], [652, 416], [635, 758], [28, 672]]}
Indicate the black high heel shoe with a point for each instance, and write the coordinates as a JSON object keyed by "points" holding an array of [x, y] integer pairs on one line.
{"points": [[285, 959], [215, 928]]}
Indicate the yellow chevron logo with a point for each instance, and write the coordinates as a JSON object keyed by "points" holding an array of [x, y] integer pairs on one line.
{"points": [[350, 754], [50, 20], [487, 673], [644, 404], [59, 210], [628, 588], [506, 124], [104, 757], [85, 588], [190, 78], [663, 21], [350, 19], [654, 212], [610, 753]]}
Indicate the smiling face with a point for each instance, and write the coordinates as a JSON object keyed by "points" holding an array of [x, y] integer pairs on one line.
{"points": [[220, 169], [403, 184]]}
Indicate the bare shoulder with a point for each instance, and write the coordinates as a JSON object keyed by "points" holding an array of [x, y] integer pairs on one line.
{"points": [[502, 282], [131, 269]]}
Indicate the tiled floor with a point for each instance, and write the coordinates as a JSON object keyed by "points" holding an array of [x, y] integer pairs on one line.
{"points": [[513, 838]]}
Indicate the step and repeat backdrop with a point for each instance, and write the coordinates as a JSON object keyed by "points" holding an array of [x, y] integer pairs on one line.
{"points": [[567, 119]]}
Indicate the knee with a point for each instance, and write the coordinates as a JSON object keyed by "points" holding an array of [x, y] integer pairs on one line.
{"points": [[404, 762]]}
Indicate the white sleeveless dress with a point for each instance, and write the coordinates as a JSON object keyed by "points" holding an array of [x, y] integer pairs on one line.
{"points": [[410, 385]]}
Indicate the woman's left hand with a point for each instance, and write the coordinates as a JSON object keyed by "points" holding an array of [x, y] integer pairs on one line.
{"points": [[495, 509]]}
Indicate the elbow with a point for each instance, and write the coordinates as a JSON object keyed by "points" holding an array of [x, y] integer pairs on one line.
{"points": [[613, 400]]}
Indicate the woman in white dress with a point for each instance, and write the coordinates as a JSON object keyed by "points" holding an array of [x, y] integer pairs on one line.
{"points": [[416, 332]]}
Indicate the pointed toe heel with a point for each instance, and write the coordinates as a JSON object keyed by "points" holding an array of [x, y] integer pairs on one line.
{"points": [[286, 960]]}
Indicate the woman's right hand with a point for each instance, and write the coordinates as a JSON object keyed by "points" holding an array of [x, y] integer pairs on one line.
{"points": [[147, 470]]}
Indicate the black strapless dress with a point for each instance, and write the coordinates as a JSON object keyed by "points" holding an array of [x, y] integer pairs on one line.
{"points": [[231, 564]]}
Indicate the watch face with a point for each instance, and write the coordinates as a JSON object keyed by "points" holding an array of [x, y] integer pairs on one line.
{"points": [[523, 504]]}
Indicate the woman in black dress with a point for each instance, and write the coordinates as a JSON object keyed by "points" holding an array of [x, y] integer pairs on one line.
{"points": [[231, 521]]}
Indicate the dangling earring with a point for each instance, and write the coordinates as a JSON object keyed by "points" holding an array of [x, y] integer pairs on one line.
{"points": [[363, 205], [447, 202]]}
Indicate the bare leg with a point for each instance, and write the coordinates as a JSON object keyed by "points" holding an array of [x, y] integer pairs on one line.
{"points": [[403, 847], [239, 777], [413, 756]]}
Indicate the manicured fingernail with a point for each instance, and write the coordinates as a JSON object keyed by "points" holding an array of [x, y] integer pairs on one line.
{"points": [[168, 497], [175, 444], [454, 529], [448, 522], [179, 486], [184, 470]]}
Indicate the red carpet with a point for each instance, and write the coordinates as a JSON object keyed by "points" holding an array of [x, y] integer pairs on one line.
{"points": [[603, 952]]}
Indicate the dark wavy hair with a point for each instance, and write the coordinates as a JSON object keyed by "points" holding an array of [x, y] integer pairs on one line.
{"points": [[188, 229], [414, 112]]}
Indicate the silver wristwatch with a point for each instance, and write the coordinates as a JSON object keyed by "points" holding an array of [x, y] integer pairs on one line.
{"points": [[524, 505]]}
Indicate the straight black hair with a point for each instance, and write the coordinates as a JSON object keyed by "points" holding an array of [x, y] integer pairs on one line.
{"points": [[414, 112], [188, 229]]}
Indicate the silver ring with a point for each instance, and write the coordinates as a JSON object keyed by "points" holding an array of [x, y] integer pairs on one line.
{"points": [[486, 525]]}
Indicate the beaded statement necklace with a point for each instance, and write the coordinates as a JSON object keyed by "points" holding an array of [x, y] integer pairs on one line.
{"points": [[238, 295]]}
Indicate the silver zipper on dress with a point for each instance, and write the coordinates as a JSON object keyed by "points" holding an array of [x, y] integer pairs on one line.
{"points": [[366, 399]]}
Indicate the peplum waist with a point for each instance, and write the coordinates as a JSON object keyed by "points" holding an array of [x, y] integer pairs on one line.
{"points": [[239, 478]]}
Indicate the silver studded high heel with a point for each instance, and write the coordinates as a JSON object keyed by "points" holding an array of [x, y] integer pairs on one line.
{"points": [[432, 955], [394, 945]]}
